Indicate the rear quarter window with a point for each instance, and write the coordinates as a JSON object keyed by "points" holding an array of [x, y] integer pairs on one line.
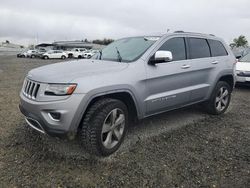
{"points": [[217, 48], [198, 48]]}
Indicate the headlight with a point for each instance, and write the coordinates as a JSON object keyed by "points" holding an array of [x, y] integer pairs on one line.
{"points": [[60, 89]]}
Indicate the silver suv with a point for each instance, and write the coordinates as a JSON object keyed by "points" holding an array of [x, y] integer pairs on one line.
{"points": [[132, 78]]}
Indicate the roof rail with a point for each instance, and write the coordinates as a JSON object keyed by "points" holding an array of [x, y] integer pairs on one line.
{"points": [[179, 32], [192, 33]]}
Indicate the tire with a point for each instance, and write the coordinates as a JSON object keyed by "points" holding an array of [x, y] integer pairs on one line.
{"points": [[103, 140], [32, 56], [63, 57], [79, 57], [220, 99], [70, 55], [46, 57]]}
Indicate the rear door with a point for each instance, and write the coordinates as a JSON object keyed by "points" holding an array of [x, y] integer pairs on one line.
{"points": [[168, 83], [202, 66]]}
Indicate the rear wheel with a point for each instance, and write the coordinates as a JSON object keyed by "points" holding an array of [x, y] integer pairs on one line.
{"points": [[32, 56], [104, 127], [220, 99], [79, 57]]}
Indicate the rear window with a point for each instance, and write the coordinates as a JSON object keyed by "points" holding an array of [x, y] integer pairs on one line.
{"points": [[198, 48], [217, 48]]}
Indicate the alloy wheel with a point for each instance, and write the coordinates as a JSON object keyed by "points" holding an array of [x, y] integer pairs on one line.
{"points": [[222, 98], [113, 128]]}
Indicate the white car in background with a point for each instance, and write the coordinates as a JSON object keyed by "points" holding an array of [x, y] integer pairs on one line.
{"points": [[55, 54], [76, 52], [88, 54], [243, 69], [26, 53]]}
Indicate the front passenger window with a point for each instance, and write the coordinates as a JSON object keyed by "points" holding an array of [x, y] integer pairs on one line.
{"points": [[177, 47]]}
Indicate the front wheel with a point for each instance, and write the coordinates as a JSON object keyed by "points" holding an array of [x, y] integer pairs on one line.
{"points": [[220, 99], [63, 57], [104, 127], [46, 57]]}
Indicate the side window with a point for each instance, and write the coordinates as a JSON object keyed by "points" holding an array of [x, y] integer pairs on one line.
{"points": [[217, 48], [198, 48], [177, 47]]}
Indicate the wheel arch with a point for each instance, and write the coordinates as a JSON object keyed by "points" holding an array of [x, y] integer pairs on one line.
{"points": [[229, 78], [123, 95]]}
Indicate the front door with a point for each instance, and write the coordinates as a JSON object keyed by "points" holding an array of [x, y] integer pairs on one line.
{"points": [[168, 84]]}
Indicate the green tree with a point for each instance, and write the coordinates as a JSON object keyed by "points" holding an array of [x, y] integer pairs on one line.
{"points": [[103, 42], [241, 41]]}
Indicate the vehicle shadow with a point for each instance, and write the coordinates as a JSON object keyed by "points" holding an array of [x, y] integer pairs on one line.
{"points": [[245, 87], [43, 147]]}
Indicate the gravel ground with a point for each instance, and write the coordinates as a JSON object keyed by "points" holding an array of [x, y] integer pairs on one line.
{"points": [[183, 148]]}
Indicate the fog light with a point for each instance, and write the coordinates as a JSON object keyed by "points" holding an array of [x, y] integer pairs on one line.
{"points": [[55, 116]]}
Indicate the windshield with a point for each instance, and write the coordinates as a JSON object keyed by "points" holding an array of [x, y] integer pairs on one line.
{"points": [[246, 58], [127, 49]]}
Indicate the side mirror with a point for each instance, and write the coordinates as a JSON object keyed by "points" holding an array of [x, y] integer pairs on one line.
{"points": [[161, 56]]}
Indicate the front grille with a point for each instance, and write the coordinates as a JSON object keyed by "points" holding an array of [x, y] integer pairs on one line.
{"points": [[30, 89]]}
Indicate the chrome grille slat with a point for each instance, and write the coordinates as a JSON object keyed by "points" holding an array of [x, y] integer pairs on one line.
{"points": [[30, 89], [28, 84], [34, 90]]}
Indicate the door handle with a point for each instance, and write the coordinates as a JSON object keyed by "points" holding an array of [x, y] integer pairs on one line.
{"points": [[215, 62], [185, 66]]}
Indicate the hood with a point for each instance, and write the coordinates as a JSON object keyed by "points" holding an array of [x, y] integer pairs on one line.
{"points": [[243, 66], [67, 71]]}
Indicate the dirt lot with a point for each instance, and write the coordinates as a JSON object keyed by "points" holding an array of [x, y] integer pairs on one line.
{"points": [[184, 148]]}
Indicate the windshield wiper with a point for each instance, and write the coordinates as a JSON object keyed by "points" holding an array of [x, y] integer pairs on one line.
{"points": [[118, 55]]}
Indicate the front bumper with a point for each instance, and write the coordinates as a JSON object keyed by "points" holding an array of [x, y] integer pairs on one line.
{"points": [[38, 115]]}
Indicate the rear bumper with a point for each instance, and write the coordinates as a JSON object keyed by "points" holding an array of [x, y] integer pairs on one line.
{"points": [[243, 79]]}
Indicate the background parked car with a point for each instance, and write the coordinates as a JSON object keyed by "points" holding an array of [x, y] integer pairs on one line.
{"points": [[37, 53], [243, 69], [21, 54], [26, 53], [88, 54], [55, 54], [76, 52]]}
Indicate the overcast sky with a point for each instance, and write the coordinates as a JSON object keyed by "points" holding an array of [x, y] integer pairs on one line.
{"points": [[27, 21]]}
